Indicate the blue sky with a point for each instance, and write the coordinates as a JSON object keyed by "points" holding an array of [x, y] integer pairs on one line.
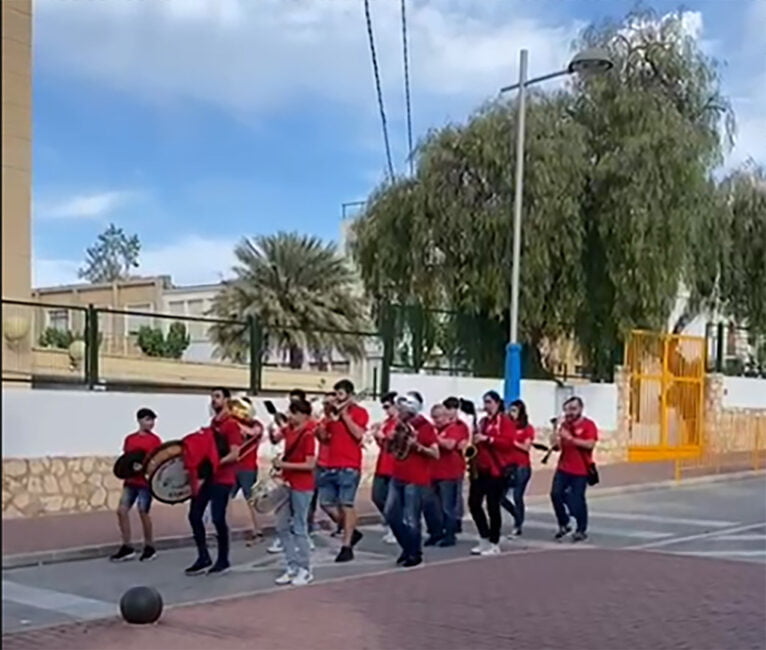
{"points": [[195, 122]]}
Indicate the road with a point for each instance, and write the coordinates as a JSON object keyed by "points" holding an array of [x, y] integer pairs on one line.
{"points": [[721, 521]]}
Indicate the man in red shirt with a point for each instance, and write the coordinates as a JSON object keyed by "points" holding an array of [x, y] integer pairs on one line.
{"points": [[217, 489], [576, 437], [452, 404], [136, 490], [385, 465], [247, 471], [411, 481], [343, 432], [297, 467], [446, 474]]}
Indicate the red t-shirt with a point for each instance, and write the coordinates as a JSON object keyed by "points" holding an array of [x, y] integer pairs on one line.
{"points": [[527, 434], [416, 468], [345, 450], [385, 465], [493, 456], [451, 465], [138, 441], [323, 457], [572, 459], [300, 450], [250, 462], [227, 427]]}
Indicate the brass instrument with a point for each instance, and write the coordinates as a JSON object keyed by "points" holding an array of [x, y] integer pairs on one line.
{"points": [[469, 452], [270, 492], [402, 440]]}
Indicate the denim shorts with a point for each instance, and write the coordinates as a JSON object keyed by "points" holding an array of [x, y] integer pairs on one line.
{"points": [[338, 486], [134, 494], [246, 479]]}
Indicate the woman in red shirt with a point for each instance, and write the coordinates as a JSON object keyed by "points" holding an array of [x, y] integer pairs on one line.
{"points": [[495, 454], [524, 434]]}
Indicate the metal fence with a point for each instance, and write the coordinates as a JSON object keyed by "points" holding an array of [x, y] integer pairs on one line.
{"points": [[734, 440], [114, 348], [735, 351]]}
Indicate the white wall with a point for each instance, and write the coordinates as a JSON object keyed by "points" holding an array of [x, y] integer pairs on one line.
{"points": [[744, 392], [543, 398], [40, 423]]}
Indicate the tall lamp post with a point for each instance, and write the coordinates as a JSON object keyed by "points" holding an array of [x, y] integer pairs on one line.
{"points": [[592, 60]]}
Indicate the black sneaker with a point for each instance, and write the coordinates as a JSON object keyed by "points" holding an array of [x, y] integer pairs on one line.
{"points": [[444, 542], [562, 532], [432, 541], [123, 554], [149, 553], [356, 537], [346, 554], [402, 559], [579, 536], [199, 567], [219, 568], [412, 561]]}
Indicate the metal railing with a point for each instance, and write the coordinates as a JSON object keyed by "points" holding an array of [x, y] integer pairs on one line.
{"points": [[103, 347]]}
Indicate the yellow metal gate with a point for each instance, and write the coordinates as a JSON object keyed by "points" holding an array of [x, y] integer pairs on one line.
{"points": [[667, 394]]}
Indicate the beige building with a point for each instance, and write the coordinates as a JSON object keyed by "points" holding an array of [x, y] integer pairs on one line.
{"points": [[16, 180]]}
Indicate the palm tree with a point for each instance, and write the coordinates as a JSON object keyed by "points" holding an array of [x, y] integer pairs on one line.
{"points": [[302, 293]]}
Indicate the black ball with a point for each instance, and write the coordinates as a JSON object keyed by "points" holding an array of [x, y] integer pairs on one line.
{"points": [[141, 605]]}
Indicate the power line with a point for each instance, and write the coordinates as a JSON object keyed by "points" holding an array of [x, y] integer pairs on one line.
{"points": [[376, 73], [408, 105]]}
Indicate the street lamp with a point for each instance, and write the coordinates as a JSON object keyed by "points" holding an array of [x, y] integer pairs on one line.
{"points": [[591, 60]]}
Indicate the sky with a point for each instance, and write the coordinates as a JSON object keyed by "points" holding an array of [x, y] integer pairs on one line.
{"points": [[193, 123]]}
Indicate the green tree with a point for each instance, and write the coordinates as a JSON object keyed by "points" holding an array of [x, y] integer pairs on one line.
{"points": [[112, 257], [302, 293], [743, 268], [617, 204]]}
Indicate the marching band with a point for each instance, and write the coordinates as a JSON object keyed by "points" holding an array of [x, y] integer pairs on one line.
{"points": [[421, 468]]}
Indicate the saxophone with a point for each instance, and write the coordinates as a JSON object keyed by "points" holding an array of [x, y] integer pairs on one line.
{"points": [[402, 440]]}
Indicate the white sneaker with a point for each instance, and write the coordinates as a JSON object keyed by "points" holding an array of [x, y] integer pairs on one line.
{"points": [[389, 538], [303, 577], [276, 546], [492, 549], [479, 549], [286, 578]]}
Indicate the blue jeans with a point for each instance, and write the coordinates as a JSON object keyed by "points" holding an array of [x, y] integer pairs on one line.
{"points": [[404, 508], [291, 523], [568, 490], [516, 507], [246, 479], [380, 492], [338, 486], [218, 497], [442, 507], [141, 496]]}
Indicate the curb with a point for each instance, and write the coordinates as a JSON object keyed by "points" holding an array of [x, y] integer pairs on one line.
{"points": [[39, 558], [20, 560]]}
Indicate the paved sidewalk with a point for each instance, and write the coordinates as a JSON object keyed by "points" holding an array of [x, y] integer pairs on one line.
{"points": [[62, 532], [579, 598]]}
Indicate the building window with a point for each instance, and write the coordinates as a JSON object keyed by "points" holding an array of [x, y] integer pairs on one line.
{"points": [[58, 319], [197, 330], [136, 322]]}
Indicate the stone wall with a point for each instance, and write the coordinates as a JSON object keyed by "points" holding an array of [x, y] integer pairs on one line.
{"points": [[40, 486], [59, 485]]}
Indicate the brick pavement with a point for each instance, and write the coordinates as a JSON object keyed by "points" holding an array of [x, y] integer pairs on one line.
{"points": [[574, 599], [59, 532]]}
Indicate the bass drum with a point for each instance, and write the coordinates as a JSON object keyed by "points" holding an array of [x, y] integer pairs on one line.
{"points": [[167, 475]]}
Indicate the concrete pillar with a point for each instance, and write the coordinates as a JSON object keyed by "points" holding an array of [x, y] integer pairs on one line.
{"points": [[16, 183]]}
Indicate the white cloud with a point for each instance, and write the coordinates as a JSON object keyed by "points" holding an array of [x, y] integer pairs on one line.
{"points": [[189, 260], [251, 58], [82, 206]]}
